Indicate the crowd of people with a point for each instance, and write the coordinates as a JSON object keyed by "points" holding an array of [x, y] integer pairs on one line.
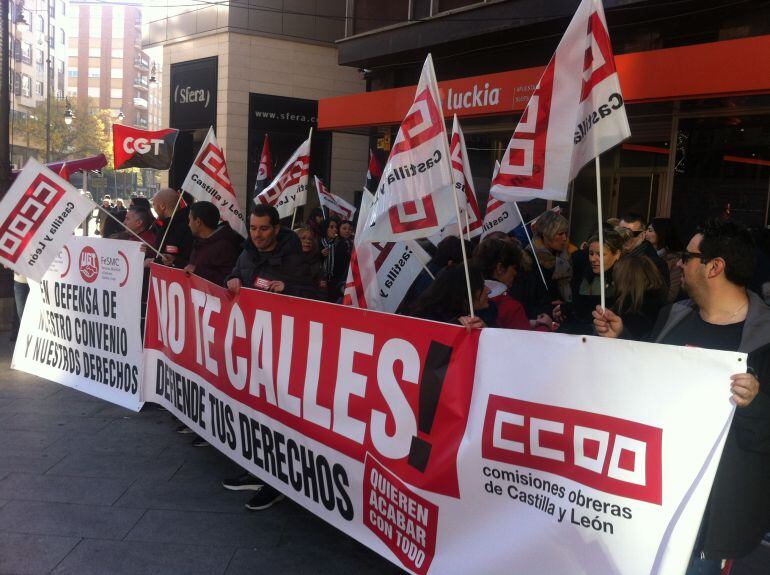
{"points": [[707, 294]]}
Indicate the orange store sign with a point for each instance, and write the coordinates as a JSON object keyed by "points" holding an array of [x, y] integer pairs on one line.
{"points": [[702, 70]]}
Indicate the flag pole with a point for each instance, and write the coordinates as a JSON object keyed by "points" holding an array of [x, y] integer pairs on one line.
{"points": [[529, 239], [462, 246], [130, 231], [165, 233], [600, 219], [294, 215]]}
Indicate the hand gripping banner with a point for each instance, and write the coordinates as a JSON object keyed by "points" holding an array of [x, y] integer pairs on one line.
{"points": [[576, 113], [135, 148], [208, 180], [445, 451]]}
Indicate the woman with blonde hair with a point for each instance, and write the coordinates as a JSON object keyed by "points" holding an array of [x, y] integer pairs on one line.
{"points": [[640, 292]]}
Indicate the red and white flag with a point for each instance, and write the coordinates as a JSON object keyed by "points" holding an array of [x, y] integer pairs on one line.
{"points": [[265, 171], [500, 216], [414, 198], [576, 113], [374, 172], [37, 216], [335, 205], [289, 188], [466, 195], [381, 273], [208, 180]]}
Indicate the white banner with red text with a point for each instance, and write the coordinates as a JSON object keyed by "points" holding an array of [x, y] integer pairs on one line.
{"points": [[81, 327], [442, 450]]}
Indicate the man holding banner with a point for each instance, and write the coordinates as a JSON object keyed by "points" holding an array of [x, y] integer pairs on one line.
{"points": [[722, 314]]}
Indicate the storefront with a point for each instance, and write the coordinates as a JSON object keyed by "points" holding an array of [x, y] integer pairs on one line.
{"points": [[700, 123]]}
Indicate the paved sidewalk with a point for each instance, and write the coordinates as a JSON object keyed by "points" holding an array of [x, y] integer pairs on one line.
{"points": [[90, 488]]}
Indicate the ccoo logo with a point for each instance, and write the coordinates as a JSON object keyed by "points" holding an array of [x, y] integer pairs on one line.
{"points": [[89, 264]]}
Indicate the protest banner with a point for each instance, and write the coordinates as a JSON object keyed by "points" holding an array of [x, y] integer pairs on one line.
{"points": [[209, 180], [81, 327], [37, 216], [369, 422]]}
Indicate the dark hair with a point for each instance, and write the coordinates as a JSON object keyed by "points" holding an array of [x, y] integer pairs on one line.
{"points": [[449, 250], [446, 298], [327, 222], [140, 202], [144, 214], [492, 251], [667, 235], [313, 213], [733, 243], [206, 212], [612, 240], [632, 217], [347, 222], [262, 210]]}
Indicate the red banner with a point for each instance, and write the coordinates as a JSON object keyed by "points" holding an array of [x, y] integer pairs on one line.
{"points": [[400, 392]]}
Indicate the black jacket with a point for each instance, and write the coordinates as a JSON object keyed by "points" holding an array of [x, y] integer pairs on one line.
{"points": [[179, 239], [738, 510], [284, 263], [215, 256]]}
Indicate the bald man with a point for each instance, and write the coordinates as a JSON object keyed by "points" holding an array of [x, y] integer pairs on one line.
{"points": [[178, 239]]}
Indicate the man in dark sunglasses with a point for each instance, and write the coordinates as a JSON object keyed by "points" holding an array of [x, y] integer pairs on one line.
{"points": [[636, 244], [722, 314]]}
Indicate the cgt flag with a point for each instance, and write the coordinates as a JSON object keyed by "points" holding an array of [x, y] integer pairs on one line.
{"points": [[208, 180], [37, 217], [576, 113], [414, 198], [374, 172], [135, 148], [265, 171], [334, 204], [289, 188]]}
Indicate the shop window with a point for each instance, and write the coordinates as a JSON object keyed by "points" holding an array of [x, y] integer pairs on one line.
{"points": [[444, 5], [722, 169], [420, 9], [373, 14]]}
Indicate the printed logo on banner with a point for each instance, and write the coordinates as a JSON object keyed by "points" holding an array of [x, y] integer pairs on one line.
{"points": [[524, 165], [89, 264], [404, 521], [212, 162], [413, 215], [599, 63], [28, 215], [607, 453], [424, 123]]}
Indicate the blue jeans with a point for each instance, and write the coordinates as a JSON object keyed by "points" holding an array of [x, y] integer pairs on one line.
{"points": [[20, 293], [700, 566]]}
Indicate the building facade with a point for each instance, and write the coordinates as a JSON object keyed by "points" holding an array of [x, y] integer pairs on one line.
{"points": [[695, 76], [250, 69], [38, 45]]}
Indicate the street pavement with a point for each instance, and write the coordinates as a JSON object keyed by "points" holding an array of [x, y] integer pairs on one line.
{"points": [[91, 488]]}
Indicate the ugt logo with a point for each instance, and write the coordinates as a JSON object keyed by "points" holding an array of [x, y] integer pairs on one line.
{"points": [[212, 162], [89, 264]]}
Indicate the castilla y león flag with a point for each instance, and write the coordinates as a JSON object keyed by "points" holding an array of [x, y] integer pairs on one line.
{"points": [[414, 198], [135, 148], [289, 188], [576, 113], [466, 196], [208, 180], [265, 169], [37, 217]]}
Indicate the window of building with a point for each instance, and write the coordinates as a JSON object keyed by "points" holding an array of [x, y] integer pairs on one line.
{"points": [[41, 24], [26, 86], [116, 93], [39, 89], [52, 37], [94, 72], [94, 52], [372, 14], [117, 24], [93, 91], [52, 9], [95, 22], [62, 8], [117, 73], [62, 37], [420, 9], [17, 84], [39, 57], [26, 52], [117, 52], [72, 73], [444, 5]]}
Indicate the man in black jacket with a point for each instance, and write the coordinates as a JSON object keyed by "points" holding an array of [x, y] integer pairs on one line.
{"points": [[216, 245], [723, 314], [172, 227], [272, 260], [637, 245]]}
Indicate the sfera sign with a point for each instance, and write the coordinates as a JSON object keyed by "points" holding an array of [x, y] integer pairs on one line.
{"points": [[194, 94], [278, 113]]}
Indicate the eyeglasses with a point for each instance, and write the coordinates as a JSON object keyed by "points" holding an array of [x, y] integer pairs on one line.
{"points": [[686, 256]]}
